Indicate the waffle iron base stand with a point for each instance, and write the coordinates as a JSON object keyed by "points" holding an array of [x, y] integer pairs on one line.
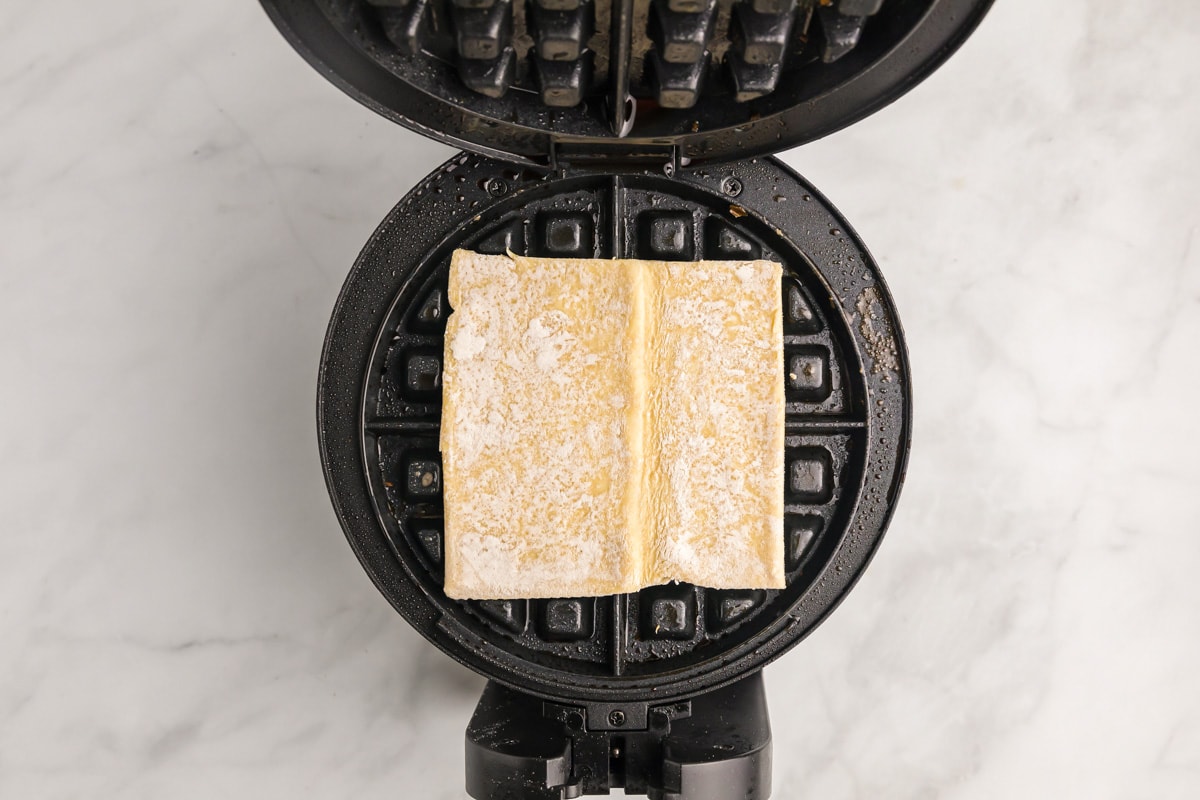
{"points": [[712, 747]]}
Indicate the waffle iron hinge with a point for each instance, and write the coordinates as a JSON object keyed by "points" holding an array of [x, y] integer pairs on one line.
{"points": [[616, 155], [715, 746]]}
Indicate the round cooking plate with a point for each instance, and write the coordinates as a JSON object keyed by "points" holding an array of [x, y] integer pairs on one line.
{"points": [[847, 398], [734, 79]]}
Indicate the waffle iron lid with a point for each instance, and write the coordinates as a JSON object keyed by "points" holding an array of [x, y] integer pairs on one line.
{"points": [[707, 80]]}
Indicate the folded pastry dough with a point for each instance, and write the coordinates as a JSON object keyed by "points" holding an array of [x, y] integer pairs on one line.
{"points": [[609, 425]]}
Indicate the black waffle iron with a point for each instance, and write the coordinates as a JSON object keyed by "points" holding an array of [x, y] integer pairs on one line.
{"points": [[633, 129]]}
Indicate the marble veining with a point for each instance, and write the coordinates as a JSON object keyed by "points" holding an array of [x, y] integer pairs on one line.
{"points": [[180, 200]]}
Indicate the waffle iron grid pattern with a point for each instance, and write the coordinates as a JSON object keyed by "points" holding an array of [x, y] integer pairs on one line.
{"points": [[669, 52], [660, 628]]}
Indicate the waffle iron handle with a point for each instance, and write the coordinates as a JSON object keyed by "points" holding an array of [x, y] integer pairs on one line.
{"points": [[716, 746]]}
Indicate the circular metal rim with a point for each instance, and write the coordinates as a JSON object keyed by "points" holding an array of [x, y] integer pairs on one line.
{"points": [[870, 86], [365, 302]]}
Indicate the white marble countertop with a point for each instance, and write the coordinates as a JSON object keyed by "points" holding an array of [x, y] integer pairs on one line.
{"points": [[180, 200]]}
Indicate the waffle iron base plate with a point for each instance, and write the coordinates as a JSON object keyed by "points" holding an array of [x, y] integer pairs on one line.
{"points": [[848, 415]]}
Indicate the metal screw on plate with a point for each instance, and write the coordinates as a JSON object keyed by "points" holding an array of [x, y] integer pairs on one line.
{"points": [[496, 187], [731, 187], [616, 718]]}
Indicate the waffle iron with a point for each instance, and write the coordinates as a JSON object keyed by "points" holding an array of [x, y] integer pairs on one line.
{"points": [[631, 129]]}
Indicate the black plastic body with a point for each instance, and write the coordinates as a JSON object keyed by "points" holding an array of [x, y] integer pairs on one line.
{"points": [[713, 747]]}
